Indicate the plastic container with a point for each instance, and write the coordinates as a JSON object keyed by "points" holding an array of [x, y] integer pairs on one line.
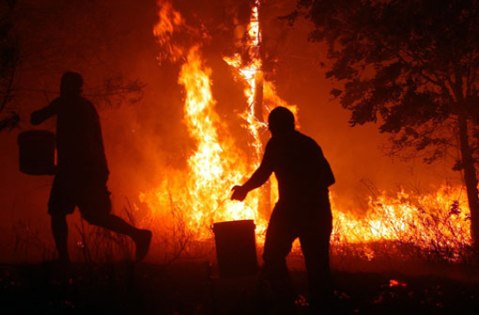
{"points": [[37, 152], [236, 248]]}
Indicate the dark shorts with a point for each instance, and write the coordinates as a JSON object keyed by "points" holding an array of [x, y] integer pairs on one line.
{"points": [[89, 195]]}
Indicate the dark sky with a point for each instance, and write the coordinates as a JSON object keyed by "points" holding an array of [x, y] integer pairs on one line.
{"points": [[114, 39]]}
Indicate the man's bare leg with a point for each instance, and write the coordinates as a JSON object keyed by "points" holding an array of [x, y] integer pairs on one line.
{"points": [[59, 228], [141, 237]]}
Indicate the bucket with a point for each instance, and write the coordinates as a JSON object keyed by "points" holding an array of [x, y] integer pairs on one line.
{"points": [[37, 152], [236, 248]]}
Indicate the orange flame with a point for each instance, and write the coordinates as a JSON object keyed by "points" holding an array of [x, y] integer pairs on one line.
{"points": [[170, 22], [216, 165], [203, 191], [431, 222]]}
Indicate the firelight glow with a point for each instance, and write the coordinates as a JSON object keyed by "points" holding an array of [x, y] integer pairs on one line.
{"points": [[200, 195]]}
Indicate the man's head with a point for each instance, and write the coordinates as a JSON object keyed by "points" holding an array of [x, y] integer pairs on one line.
{"points": [[280, 121], [71, 84]]}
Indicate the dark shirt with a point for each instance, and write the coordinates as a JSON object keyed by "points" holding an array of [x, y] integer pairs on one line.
{"points": [[80, 151], [302, 171]]}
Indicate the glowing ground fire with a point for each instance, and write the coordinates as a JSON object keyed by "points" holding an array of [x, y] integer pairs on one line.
{"points": [[199, 196]]}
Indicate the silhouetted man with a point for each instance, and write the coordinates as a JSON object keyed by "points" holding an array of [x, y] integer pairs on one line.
{"points": [[303, 210], [82, 171]]}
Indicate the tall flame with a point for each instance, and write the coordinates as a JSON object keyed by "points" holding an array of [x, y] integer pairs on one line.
{"points": [[203, 191], [216, 165]]}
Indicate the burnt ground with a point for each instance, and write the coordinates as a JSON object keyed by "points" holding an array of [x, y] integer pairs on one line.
{"points": [[194, 288]]}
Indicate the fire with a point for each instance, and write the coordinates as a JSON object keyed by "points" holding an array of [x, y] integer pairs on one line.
{"points": [[250, 71], [170, 21], [197, 197], [432, 222], [216, 165], [260, 93], [202, 193]]}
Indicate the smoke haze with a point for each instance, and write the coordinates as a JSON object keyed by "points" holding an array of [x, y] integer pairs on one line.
{"points": [[146, 139]]}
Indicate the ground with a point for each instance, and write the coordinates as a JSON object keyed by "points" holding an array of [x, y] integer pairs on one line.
{"points": [[195, 288]]}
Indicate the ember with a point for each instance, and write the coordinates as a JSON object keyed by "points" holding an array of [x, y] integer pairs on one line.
{"points": [[397, 283]]}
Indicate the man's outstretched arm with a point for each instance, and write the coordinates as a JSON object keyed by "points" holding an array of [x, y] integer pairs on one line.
{"points": [[43, 114], [259, 177]]}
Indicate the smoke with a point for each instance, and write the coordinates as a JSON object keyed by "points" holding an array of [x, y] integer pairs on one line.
{"points": [[146, 140]]}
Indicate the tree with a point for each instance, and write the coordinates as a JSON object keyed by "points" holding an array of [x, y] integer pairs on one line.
{"points": [[412, 67], [9, 59], [38, 41]]}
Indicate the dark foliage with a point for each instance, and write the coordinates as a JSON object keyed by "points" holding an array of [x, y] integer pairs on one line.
{"points": [[411, 66], [9, 59]]}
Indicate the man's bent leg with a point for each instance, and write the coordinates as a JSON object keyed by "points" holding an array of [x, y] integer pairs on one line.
{"points": [[113, 223], [95, 207], [60, 235], [142, 238]]}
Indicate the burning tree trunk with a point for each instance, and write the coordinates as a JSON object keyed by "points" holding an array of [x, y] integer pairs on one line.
{"points": [[470, 178], [265, 199]]}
